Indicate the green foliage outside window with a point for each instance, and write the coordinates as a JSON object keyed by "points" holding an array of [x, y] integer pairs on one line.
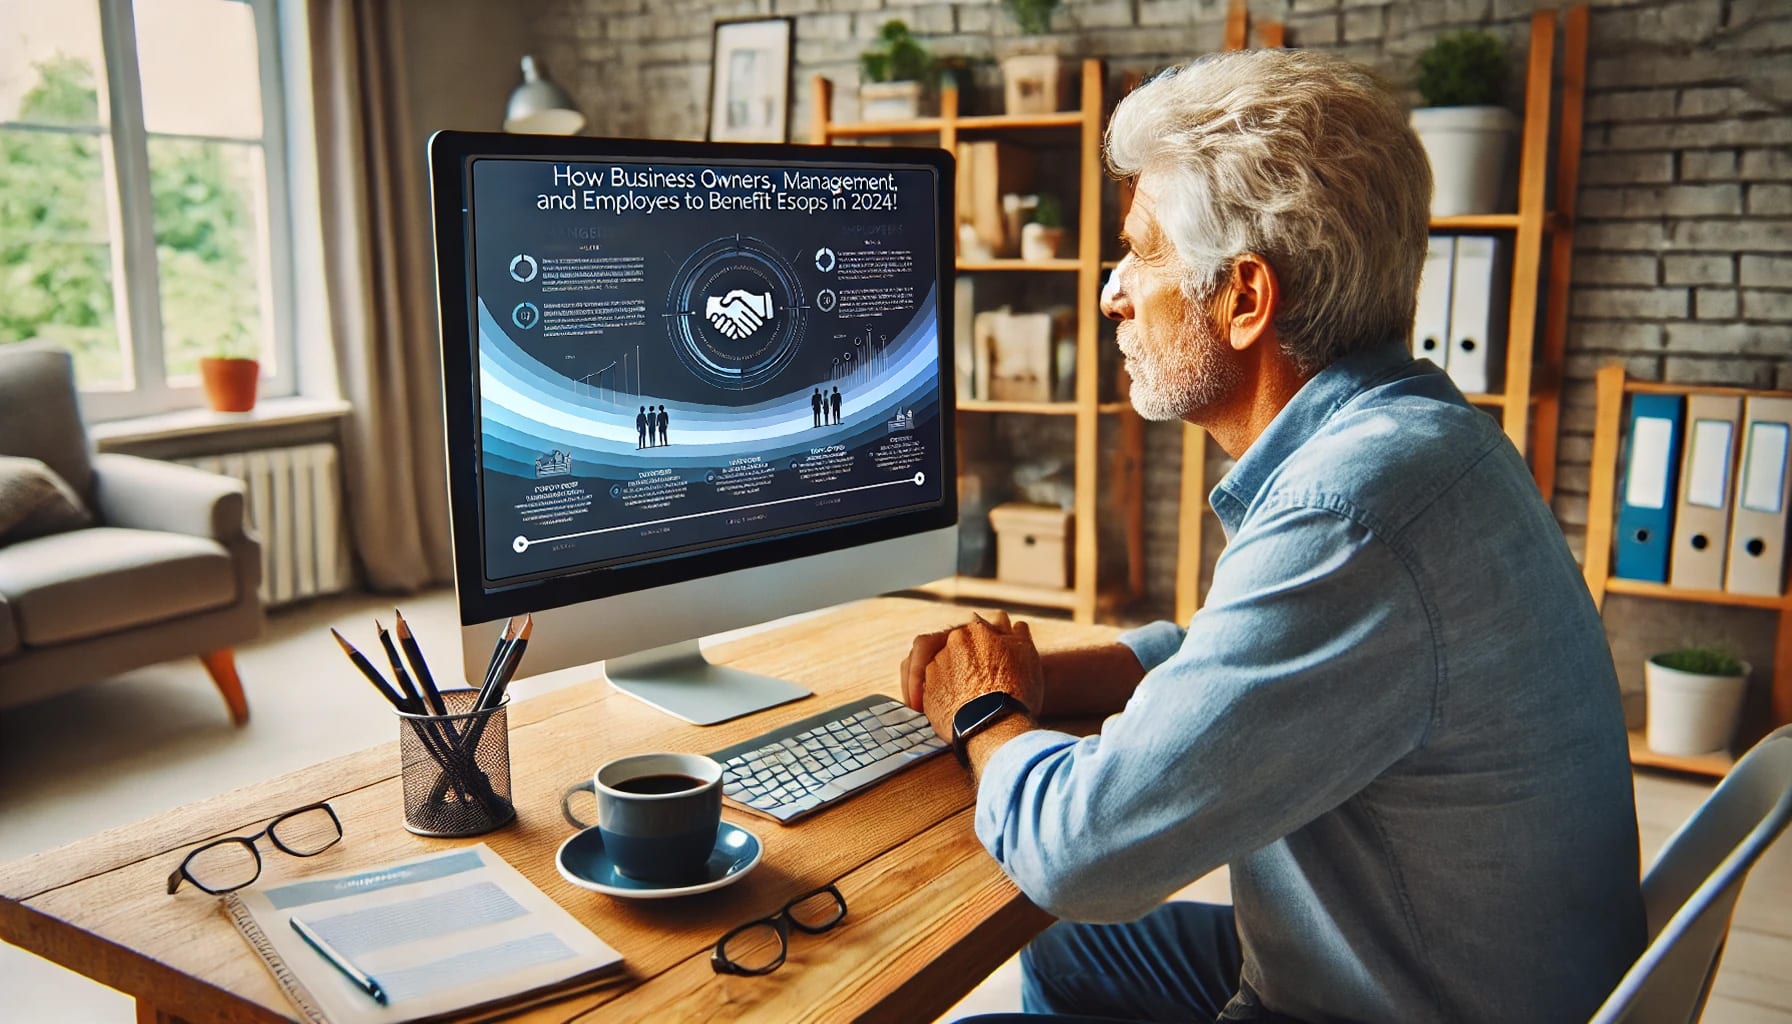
{"points": [[56, 258]]}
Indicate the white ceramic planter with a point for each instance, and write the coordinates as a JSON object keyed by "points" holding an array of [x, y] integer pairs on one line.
{"points": [[889, 101], [1690, 713], [1469, 149]]}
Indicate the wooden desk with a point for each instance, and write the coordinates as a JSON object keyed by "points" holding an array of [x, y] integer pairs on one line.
{"points": [[929, 913]]}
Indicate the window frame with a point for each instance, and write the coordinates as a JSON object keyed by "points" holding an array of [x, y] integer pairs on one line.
{"points": [[137, 293]]}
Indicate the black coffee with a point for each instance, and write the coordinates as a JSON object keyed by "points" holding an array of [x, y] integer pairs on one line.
{"points": [[657, 785]]}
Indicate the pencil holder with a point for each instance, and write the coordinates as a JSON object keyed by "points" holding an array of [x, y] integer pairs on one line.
{"points": [[456, 768]]}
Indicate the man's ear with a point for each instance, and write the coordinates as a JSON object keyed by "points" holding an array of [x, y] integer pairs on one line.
{"points": [[1248, 302]]}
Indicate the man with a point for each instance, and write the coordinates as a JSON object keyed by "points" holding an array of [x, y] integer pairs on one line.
{"points": [[1396, 717]]}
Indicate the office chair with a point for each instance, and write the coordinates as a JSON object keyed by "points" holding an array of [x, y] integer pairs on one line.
{"points": [[1690, 891]]}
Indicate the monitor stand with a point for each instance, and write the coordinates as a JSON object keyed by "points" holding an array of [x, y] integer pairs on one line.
{"points": [[680, 681]]}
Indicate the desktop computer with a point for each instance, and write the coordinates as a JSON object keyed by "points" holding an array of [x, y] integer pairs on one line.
{"points": [[690, 387]]}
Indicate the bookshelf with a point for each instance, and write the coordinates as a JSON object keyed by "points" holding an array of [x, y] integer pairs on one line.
{"points": [[1611, 387], [1529, 408], [1079, 129]]}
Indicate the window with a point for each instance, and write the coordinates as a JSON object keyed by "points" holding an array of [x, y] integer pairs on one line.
{"points": [[143, 212]]}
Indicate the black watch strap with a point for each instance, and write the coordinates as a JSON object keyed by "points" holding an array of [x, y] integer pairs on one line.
{"points": [[978, 714]]}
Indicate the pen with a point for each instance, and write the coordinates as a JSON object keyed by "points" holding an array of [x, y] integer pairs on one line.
{"points": [[361, 978]]}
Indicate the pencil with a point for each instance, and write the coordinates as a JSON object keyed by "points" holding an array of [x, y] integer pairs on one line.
{"points": [[404, 678], [415, 654], [367, 669], [497, 652], [513, 658], [491, 670]]}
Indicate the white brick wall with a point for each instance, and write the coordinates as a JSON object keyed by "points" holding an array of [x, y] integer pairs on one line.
{"points": [[1683, 262]]}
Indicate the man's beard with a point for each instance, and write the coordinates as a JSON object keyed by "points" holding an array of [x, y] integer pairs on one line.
{"points": [[1193, 372]]}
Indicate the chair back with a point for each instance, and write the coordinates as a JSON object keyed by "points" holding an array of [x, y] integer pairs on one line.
{"points": [[40, 412], [1691, 889]]}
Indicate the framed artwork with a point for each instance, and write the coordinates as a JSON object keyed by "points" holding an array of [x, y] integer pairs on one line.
{"points": [[749, 81]]}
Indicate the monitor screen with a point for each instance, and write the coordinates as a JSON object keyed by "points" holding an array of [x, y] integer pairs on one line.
{"points": [[669, 361]]}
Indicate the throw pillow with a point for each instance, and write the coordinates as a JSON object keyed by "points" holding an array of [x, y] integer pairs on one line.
{"points": [[35, 502]]}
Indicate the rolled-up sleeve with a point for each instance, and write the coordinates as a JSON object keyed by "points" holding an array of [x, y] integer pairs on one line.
{"points": [[1311, 669]]}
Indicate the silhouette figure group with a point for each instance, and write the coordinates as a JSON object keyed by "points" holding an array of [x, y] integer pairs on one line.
{"points": [[647, 422], [826, 407]]}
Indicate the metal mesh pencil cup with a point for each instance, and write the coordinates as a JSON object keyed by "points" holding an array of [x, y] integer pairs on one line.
{"points": [[456, 768]]}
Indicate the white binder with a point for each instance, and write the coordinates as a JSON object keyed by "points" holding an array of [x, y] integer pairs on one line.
{"points": [[1707, 480], [1431, 321], [1478, 314], [1764, 490]]}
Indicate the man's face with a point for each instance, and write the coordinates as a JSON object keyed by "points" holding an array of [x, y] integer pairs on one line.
{"points": [[1178, 362]]}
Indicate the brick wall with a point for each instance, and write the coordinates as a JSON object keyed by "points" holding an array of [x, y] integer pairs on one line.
{"points": [[1683, 266]]}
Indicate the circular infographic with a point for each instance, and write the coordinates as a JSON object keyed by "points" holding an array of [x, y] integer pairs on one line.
{"points": [[523, 268], [735, 313]]}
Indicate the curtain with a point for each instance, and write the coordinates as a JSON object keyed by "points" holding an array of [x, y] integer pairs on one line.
{"points": [[381, 295]]}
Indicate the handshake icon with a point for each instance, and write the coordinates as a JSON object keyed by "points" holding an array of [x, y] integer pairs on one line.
{"points": [[738, 313]]}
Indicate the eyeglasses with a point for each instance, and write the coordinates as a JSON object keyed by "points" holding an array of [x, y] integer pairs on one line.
{"points": [[224, 865], [759, 947]]}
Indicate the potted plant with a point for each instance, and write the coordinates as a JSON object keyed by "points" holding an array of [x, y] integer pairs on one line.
{"points": [[1466, 133], [1695, 699], [892, 75], [1042, 236], [231, 376], [1033, 82]]}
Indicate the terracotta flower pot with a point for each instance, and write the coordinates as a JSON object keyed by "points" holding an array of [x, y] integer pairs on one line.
{"points": [[230, 383]]}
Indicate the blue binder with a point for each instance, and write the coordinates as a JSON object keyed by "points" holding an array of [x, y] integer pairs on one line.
{"points": [[1646, 515]]}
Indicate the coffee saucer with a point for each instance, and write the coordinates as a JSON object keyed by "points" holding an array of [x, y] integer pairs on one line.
{"points": [[584, 862]]}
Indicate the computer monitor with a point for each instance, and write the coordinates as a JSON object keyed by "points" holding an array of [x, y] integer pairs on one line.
{"points": [[689, 387]]}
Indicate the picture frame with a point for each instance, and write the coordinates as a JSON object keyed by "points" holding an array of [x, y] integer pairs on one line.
{"points": [[749, 80]]}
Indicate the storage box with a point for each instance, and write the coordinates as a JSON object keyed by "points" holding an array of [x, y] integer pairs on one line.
{"points": [[1032, 544]]}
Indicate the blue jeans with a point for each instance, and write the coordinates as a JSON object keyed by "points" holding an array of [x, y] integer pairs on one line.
{"points": [[1178, 963]]}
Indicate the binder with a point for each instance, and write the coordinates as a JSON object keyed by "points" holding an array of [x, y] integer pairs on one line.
{"points": [[1481, 272], [1646, 517], [1707, 479], [1764, 489], [1431, 321]]}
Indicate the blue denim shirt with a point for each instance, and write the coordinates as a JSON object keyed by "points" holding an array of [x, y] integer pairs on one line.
{"points": [[1396, 719]]}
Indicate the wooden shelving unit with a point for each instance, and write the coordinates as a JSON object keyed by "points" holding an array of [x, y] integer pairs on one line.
{"points": [[1529, 409], [1602, 508], [1082, 128]]}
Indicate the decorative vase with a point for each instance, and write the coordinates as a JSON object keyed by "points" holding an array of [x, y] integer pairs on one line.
{"points": [[889, 101], [1468, 148], [230, 383], [1691, 713]]}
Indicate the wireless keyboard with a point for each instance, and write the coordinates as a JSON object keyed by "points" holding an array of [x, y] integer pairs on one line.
{"points": [[800, 768]]}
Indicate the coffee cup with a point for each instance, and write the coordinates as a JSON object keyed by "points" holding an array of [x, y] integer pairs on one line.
{"points": [[657, 813]]}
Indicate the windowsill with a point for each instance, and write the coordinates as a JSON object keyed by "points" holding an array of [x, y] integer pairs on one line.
{"points": [[272, 412]]}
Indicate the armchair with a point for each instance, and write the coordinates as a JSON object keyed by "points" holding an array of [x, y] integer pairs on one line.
{"points": [[167, 571]]}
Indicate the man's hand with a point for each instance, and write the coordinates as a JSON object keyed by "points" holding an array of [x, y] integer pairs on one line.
{"points": [[944, 670]]}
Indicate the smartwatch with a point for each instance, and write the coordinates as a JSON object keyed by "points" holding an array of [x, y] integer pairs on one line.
{"points": [[978, 714]]}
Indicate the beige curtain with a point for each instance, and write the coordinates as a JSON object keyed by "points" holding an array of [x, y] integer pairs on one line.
{"points": [[381, 295]]}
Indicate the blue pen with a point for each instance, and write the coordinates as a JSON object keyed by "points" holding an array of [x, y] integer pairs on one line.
{"points": [[342, 963]]}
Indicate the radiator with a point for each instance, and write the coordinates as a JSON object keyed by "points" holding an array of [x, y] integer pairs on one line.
{"points": [[294, 504]]}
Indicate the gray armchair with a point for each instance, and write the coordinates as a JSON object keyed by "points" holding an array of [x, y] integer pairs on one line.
{"points": [[167, 571]]}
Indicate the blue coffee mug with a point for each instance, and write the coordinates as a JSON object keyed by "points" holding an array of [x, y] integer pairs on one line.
{"points": [[657, 813]]}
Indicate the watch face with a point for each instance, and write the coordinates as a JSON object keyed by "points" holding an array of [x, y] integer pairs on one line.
{"points": [[976, 709]]}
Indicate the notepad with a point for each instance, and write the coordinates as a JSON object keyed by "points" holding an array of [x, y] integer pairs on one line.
{"points": [[459, 935]]}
